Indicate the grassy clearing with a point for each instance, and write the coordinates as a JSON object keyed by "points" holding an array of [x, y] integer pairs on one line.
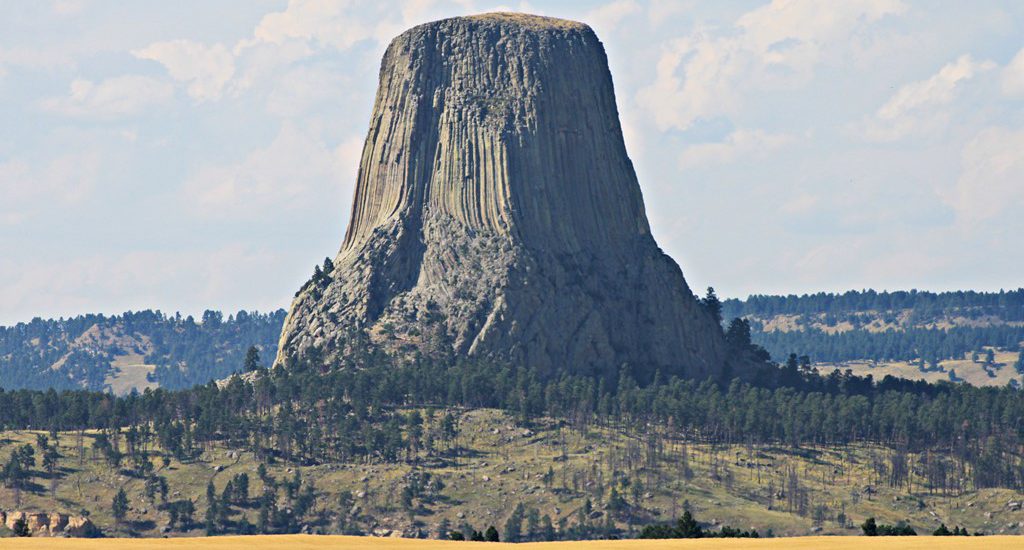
{"points": [[360, 543], [976, 374], [130, 372]]}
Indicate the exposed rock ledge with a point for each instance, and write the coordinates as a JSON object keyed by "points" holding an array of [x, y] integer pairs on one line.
{"points": [[51, 524]]}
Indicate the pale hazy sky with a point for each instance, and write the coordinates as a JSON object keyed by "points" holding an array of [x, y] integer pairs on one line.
{"points": [[191, 154]]}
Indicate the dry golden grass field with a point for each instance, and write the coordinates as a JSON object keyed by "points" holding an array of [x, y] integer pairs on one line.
{"points": [[974, 373], [313, 542]]}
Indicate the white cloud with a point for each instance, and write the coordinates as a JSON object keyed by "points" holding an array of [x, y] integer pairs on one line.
{"points": [[297, 170], [68, 7], [607, 17], [188, 280], [707, 73], [918, 107], [800, 204], [323, 22], [33, 58], [303, 89], [738, 145], [937, 90], [662, 11], [112, 97], [794, 35], [302, 29], [1013, 76], [262, 63], [27, 190], [695, 79], [206, 69], [992, 181]]}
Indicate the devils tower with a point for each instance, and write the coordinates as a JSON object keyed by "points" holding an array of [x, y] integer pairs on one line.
{"points": [[497, 215]]}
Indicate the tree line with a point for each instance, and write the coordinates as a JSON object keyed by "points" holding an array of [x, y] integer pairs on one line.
{"points": [[1008, 305], [909, 344], [913, 313]]}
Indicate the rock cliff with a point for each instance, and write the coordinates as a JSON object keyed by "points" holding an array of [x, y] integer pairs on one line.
{"points": [[42, 524], [497, 214]]}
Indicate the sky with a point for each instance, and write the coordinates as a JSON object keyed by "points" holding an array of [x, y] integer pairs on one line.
{"points": [[190, 155]]}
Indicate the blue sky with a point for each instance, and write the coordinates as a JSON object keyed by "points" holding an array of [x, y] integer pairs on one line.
{"points": [[190, 155]]}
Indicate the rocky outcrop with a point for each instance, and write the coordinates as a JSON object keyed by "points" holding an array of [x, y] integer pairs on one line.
{"points": [[498, 215], [43, 524]]}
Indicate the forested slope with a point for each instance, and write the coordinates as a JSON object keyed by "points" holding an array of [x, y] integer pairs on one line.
{"points": [[933, 332], [416, 447], [92, 351]]}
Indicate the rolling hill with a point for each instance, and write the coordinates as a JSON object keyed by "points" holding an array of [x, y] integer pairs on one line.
{"points": [[593, 482], [132, 351]]}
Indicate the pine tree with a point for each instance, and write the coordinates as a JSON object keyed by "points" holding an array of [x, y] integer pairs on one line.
{"points": [[21, 528], [492, 535], [443, 529], [252, 359], [514, 525], [532, 524], [688, 528], [547, 529], [119, 506], [713, 305], [211, 509]]}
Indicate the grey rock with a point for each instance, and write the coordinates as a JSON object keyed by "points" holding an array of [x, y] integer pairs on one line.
{"points": [[497, 214]]}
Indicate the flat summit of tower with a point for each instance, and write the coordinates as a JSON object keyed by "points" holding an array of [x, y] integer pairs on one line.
{"points": [[526, 20]]}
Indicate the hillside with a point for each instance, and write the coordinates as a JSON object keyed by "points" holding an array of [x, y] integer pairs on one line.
{"points": [[494, 464], [306, 542], [955, 336], [135, 350], [378, 443]]}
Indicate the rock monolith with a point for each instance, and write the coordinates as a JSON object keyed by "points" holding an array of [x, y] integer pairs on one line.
{"points": [[497, 215]]}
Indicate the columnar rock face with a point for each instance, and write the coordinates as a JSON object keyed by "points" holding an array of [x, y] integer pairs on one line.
{"points": [[497, 215]]}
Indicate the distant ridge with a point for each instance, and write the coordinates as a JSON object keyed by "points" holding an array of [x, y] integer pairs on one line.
{"points": [[132, 350]]}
